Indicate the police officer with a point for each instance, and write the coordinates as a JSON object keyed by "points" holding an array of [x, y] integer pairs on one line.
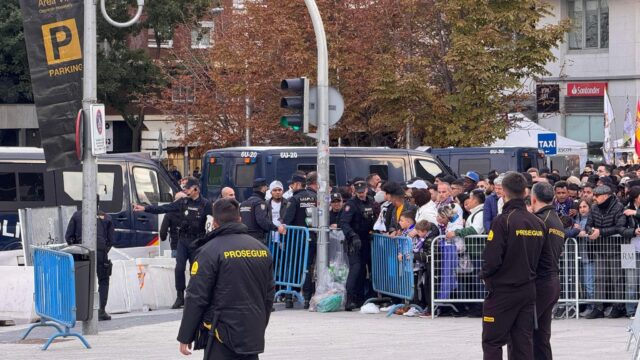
{"points": [[511, 257], [547, 279], [335, 210], [194, 210], [255, 215], [296, 215], [104, 239], [171, 226], [230, 294], [357, 223]]}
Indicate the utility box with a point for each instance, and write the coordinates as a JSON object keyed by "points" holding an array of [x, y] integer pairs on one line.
{"points": [[84, 268]]}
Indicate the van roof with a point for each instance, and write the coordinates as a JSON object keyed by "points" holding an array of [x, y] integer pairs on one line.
{"points": [[33, 153], [312, 149]]}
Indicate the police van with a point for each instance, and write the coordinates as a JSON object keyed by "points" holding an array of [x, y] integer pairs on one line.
{"points": [[237, 167], [123, 179], [484, 159]]}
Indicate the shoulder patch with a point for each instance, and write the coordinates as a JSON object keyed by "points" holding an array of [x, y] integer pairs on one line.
{"points": [[490, 236], [346, 208], [194, 268], [263, 206]]}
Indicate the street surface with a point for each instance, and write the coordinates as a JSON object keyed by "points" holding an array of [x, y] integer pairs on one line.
{"points": [[300, 334]]}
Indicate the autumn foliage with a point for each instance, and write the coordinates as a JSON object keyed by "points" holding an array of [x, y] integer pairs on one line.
{"points": [[450, 69]]}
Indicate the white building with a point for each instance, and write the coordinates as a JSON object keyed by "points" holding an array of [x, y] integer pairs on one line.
{"points": [[601, 51]]}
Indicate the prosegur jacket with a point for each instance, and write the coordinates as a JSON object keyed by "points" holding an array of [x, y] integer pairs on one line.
{"points": [[231, 281], [548, 266], [513, 249]]}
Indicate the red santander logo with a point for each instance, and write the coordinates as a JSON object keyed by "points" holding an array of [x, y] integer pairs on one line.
{"points": [[586, 89]]}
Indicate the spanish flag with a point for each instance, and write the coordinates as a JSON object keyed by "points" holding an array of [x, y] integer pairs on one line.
{"points": [[637, 140]]}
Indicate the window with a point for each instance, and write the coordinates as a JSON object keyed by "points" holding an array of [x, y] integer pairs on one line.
{"points": [[109, 188], [215, 175], [307, 168], [589, 24], [8, 186], [202, 36], [151, 40], [427, 170], [9, 137], [481, 166], [245, 175], [150, 189], [381, 170], [585, 128], [183, 93], [31, 186]]}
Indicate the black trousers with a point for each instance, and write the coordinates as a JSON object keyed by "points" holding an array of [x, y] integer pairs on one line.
{"points": [[508, 316], [308, 288], [547, 295], [220, 351], [103, 270], [182, 256]]}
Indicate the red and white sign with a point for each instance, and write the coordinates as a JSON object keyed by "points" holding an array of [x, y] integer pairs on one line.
{"points": [[586, 89]]}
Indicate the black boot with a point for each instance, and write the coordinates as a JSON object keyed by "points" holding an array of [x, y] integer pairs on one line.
{"points": [[103, 315], [179, 301], [306, 305], [288, 303]]}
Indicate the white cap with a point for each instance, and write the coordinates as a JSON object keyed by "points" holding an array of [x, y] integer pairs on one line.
{"points": [[418, 184], [275, 185]]}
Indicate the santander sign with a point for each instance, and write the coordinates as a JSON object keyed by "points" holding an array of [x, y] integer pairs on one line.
{"points": [[586, 89]]}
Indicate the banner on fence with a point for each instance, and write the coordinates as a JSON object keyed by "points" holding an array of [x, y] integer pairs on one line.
{"points": [[627, 256]]}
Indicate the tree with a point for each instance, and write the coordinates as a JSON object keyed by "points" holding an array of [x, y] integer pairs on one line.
{"points": [[15, 81], [449, 69]]}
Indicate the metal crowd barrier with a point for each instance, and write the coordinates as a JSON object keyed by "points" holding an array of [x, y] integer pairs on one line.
{"points": [[55, 293], [290, 254], [392, 269]]}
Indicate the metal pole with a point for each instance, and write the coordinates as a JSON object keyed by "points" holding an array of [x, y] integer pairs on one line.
{"points": [[186, 151], [247, 116], [89, 167], [323, 136]]}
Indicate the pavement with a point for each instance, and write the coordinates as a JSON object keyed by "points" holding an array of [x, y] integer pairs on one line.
{"points": [[302, 334]]}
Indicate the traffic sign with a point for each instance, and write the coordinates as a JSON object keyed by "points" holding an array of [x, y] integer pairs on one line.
{"points": [[547, 142], [98, 131], [336, 106]]}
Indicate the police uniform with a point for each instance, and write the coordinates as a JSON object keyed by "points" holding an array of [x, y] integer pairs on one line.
{"points": [[357, 222], [547, 281], [230, 295], [104, 240], [254, 213], [334, 216], [194, 217], [296, 215], [511, 257]]}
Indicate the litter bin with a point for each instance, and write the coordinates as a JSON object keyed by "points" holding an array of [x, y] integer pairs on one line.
{"points": [[84, 265]]}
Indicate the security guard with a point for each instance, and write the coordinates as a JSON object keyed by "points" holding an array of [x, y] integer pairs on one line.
{"points": [[254, 213], [511, 256], [194, 210], [104, 239], [230, 293], [296, 215], [547, 280], [357, 223]]}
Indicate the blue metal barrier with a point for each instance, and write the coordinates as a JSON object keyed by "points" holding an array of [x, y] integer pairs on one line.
{"points": [[290, 254], [392, 269], [55, 293]]}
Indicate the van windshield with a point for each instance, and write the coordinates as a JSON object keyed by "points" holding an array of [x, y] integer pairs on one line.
{"points": [[427, 170], [245, 175]]}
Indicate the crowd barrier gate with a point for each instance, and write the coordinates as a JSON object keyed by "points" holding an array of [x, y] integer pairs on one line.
{"points": [[55, 293], [290, 254], [392, 269]]}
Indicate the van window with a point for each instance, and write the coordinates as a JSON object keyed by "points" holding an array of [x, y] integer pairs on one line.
{"points": [[215, 175], [105, 185], [381, 170], [149, 188], [245, 174], [481, 166], [427, 170], [8, 186], [31, 186], [109, 188], [307, 168]]}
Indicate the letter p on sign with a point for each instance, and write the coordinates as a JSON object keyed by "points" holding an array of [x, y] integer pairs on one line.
{"points": [[61, 41]]}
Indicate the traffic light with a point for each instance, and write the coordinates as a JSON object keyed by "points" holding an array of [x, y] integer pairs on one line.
{"points": [[299, 103]]}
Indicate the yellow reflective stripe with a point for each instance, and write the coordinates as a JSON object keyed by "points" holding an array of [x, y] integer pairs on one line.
{"points": [[488, 319], [217, 336]]}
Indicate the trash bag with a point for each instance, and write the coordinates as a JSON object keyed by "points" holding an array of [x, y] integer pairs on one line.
{"points": [[330, 290]]}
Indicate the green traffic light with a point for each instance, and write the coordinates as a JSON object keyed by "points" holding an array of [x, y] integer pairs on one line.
{"points": [[291, 121]]}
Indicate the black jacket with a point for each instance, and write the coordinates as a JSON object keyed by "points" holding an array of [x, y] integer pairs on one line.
{"points": [[254, 215], [610, 220], [193, 215], [296, 212], [513, 249], [548, 266], [283, 209], [171, 225], [231, 281], [357, 218], [632, 223], [390, 219], [104, 231]]}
